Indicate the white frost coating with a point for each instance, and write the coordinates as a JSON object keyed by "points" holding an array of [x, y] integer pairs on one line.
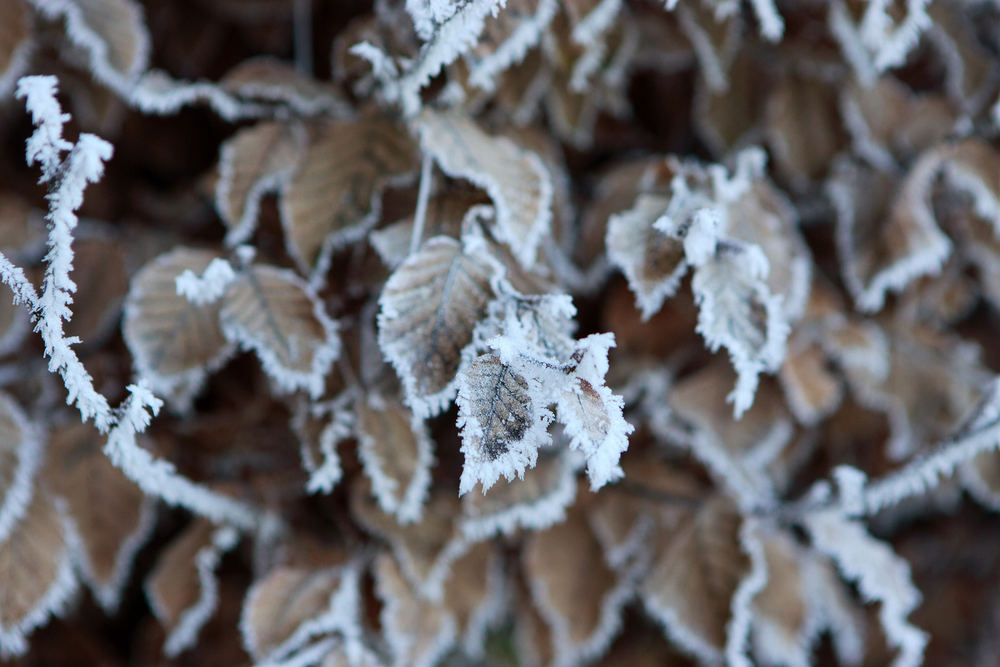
{"points": [[55, 602], [440, 132], [600, 18], [160, 478], [726, 289], [701, 237], [881, 576], [29, 456], [592, 413], [980, 433], [772, 26], [184, 635], [209, 286], [326, 475], [890, 45], [108, 594], [68, 177], [94, 46], [484, 466], [543, 512], [526, 36], [849, 39], [741, 605], [447, 40], [406, 504]]}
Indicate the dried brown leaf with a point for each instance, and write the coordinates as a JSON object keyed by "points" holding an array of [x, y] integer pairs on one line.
{"points": [[334, 197], [99, 272], [271, 311], [430, 307], [173, 342], [109, 515], [15, 43]]}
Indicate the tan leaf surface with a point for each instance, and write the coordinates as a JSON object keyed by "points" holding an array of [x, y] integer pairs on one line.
{"points": [[120, 25], [36, 572], [277, 605], [575, 591], [271, 311], [173, 342], [334, 196], [652, 261], [20, 456], [535, 501], [516, 179], [691, 582], [812, 390], [110, 515], [254, 161], [430, 307], [397, 453], [803, 127], [101, 282]]}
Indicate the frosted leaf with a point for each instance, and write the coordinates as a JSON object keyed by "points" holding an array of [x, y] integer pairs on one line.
{"points": [[763, 216], [883, 35], [532, 635], [15, 43], [714, 38], [591, 18], [182, 589], [503, 420], [270, 80], [507, 38], [20, 456], [111, 34], [692, 581], [652, 261], [253, 162], [813, 391], [419, 634], [736, 310], [443, 217], [429, 309], [535, 502], [516, 179], [542, 325], [579, 597], [209, 286], [592, 413], [289, 605], [448, 34], [272, 312], [38, 574], [174, 343], [335, 194], [971, 68], [424, 550], [397, 454], [109, 517], [475, 595], [783, 624], [881, 576], [803, 128]]}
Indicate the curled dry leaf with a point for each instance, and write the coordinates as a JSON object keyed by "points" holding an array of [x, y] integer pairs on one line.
{"points": [[692, 580], [182, 589], [418, 632], [886, 234], [397, 454], [502, 419], [424, 550], [516, 179], [535, 502], [20, 456], [254, 161], [174, 343], [283, 609], [37, 571], [577, 594], [108, 514], [430, 308], [652, 261], [272, 312], [15, 43], [334, 197]]}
